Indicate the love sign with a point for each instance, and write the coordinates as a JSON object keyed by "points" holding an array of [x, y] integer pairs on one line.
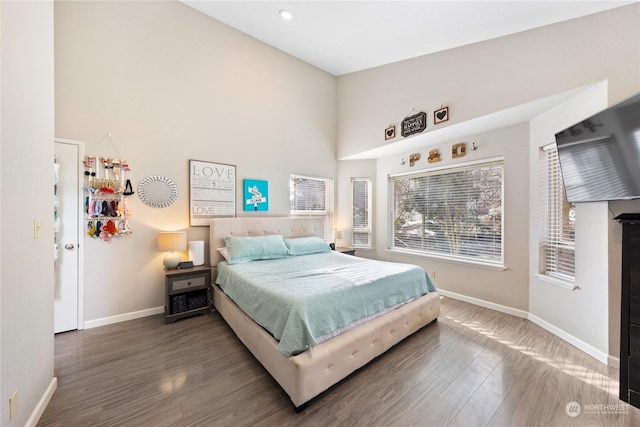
{"points": [[212, 191]]}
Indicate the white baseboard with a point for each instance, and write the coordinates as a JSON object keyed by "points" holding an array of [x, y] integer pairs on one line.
{"points": [[123, 317], [576, 342], [485, 304], [42, 403]]}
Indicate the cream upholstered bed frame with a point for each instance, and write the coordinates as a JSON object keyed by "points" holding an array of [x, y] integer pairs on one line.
{"points": [[308, 374]]}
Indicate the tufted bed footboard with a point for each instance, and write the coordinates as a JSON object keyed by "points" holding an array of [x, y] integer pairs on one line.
{"points": [[306, 375]]}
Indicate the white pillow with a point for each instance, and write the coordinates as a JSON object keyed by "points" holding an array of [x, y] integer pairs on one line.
{"points": [[224, 252]]}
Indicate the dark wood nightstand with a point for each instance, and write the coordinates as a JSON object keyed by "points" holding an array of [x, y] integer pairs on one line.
{"points": [[186, 292], [345, 250]]}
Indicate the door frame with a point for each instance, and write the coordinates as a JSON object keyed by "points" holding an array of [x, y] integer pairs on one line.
{"points": [[80, 242]]}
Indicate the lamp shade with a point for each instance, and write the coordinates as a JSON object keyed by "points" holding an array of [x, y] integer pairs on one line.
{"points": [[172, 241], [338, 234]]}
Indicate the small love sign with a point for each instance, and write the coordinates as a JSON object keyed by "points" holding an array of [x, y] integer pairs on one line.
{"points": [[414, 124]]}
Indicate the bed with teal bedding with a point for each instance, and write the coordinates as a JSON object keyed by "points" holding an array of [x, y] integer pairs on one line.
{"points": [[311, 291], [301, 299]]}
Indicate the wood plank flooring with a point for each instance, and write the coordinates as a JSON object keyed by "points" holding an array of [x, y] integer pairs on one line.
{"points": [[473, 367]]}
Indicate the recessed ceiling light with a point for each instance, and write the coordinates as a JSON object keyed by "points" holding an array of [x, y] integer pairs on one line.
{"points": [[286, 14]]}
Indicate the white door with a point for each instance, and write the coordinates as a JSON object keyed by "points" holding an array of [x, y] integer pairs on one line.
{"points": [[68, 264]]}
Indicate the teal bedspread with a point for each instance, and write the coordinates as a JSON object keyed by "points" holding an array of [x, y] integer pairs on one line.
{"points": [[299, 299]]}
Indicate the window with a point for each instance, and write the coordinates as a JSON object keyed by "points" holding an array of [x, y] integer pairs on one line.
{"points": [[452, 213], [312, 196], [557, 220], [361, 213]]}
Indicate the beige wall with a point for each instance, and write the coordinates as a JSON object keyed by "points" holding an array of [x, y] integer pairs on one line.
{"points": [[508, 288], [172, 84], [26, 166], [485, 77], [475, 81]]}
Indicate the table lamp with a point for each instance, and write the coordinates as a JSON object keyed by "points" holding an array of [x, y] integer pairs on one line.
{"points": [[171, 242], [337, 236]]}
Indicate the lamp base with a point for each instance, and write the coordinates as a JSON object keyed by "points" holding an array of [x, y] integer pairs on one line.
{"points": [[171, 261]]}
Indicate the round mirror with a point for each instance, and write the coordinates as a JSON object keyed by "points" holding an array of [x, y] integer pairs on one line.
{"points": [[157, 191]]}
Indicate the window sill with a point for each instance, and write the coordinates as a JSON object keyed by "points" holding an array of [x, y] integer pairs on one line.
{"points": [[451, 259], [558, 282]]}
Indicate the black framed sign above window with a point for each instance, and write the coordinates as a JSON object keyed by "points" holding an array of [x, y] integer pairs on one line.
{"points": [[414, 124]]}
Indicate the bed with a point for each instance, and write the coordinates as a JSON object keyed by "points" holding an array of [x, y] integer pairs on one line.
{"points": [[304, 373]]}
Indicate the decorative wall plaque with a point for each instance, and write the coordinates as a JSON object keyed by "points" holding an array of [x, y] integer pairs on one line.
{"points": [[441, 115], [458, 150], [212, 191], [434, 156], [414, 124], [256, 195], [390, 132]]}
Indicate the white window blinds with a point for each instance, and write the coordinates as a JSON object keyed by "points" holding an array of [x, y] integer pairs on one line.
{"points": [[557, 220], [312, 196], [361, 212], [452, 212]]}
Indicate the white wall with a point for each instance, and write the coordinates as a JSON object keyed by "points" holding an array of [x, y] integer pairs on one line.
{"points": [[581, 314], [172, 84], [26, 166], [480, 79]]}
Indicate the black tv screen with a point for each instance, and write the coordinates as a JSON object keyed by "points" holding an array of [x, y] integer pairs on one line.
{"points": [[600, 156]]}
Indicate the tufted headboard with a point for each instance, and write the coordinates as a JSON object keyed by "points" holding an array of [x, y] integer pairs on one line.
{"points": [[259, 226]]}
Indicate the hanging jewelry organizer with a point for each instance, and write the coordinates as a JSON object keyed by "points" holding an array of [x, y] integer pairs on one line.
{"points": [[107, 189]]}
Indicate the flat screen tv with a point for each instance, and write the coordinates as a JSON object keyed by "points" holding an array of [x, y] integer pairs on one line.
{"points": [[600, 156]]}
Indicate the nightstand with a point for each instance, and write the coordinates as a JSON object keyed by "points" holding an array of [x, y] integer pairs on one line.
{"points": [[345, 250], [186, 292]]}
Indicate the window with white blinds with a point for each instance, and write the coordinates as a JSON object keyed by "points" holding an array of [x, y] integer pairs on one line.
{"points": [[361, 213], [312, 196], [451, 212], [557, 220]]}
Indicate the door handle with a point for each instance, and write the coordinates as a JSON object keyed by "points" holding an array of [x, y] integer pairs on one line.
{"points": [[69, 246]]}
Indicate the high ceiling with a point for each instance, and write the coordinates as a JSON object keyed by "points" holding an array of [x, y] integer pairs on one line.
{"points": [[342, 37]]}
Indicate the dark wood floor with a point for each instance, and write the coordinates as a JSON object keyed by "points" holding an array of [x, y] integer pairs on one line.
{"points": [[474, 367]]}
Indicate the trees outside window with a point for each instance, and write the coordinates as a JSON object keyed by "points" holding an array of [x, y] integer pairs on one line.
{"points": [[457, 212]]}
